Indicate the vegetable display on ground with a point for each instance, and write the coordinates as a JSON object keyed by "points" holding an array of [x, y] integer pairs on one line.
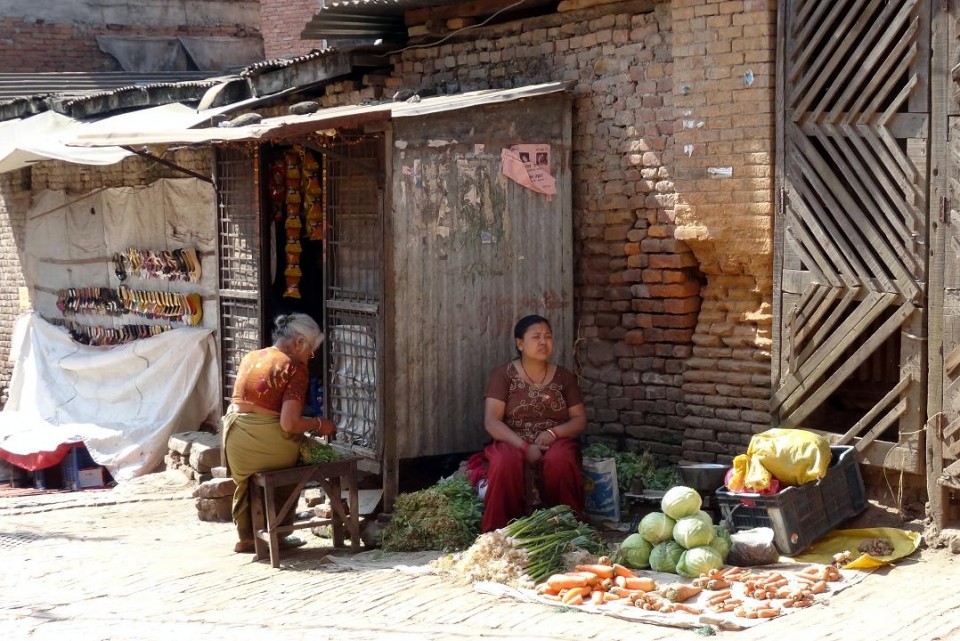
{"points": [[445, 516]]}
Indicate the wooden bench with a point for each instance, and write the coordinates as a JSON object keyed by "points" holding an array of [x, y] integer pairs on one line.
{"points": [[267, 517]]}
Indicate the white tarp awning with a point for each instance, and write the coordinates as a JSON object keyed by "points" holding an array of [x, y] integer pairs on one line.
{"points": [[294, 125], [40, 137]]}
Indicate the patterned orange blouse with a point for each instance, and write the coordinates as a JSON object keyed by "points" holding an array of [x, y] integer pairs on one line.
{"points": [[268, 377]]}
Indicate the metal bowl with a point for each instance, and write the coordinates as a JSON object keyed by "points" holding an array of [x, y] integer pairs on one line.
{"points": [[703, 477]]}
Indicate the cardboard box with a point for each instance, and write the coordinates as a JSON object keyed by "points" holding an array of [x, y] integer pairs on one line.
{"points": [[90, 477]]}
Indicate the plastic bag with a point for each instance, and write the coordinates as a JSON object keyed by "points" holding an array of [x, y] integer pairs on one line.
{"points": [[733, 480], [602, 491], [753, 547], [794, 457]]}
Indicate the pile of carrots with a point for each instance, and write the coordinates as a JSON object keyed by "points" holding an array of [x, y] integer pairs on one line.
{"points": [[763, 595]]}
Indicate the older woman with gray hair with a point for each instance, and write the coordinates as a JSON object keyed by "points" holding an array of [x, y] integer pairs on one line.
{"points": [[263, 426]]}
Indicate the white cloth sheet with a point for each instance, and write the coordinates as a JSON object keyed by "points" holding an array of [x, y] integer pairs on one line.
{"points": [[123, 402]]}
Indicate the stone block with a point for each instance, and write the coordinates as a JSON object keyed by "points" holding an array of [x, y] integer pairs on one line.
{"points": [[215, 488], [214, 509], [182, 442], [219, 472], [204, 456]]}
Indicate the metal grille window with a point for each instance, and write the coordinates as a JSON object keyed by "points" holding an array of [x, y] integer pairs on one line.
{"points": [[354, 289], [239, 255]]}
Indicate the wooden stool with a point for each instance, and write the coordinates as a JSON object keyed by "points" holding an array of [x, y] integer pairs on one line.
{"points": [[267, 518], [532, 489]]}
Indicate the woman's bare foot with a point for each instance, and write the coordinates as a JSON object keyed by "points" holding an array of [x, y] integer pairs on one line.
{"points": [[244, 546]]}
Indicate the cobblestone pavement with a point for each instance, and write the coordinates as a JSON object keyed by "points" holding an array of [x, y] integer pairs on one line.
{"points": [[135, 563]]}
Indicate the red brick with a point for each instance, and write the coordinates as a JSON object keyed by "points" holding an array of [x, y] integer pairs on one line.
{"points": [[682, 305], [680, 290]]}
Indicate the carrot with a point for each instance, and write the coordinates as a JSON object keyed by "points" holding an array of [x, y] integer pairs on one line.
{"points": [[543, 588], [620, 581], [678, 592], [620, 570], [577, 600], [596, 597], [719, 596], [564, 581], [733, 569], [609, 596], [768, 613], [574, 593], [818, 587], [602, 571], [640, 583], [689, 609]]}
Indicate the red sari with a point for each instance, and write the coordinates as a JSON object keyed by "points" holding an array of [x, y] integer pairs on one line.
{"points": [[530, 410]]}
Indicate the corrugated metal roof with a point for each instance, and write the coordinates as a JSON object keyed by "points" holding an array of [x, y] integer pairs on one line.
{"points": [[281, 63], [23, 85], [292, 126]]}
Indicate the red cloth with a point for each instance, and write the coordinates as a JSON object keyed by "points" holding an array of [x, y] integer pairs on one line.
{"points": [[38, 460], [561, 479]]}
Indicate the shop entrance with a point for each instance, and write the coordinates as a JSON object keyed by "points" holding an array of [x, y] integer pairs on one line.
{"points": [[322, 218]]}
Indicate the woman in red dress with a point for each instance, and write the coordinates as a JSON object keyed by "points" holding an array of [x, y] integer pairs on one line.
{"points": [[533, 411]]}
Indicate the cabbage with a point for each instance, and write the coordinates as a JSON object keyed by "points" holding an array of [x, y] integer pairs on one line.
{"points": [[721, 541], [665, 555], [656, 527], [697, 561], [703, 516], [680, 501], [691, 532], [636, 551]]}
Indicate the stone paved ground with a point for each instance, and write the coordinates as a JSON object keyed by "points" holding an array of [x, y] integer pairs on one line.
{"points": [[135, 563]]}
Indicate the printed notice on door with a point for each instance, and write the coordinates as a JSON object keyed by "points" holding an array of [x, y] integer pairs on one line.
{"points": [[528, 165]]}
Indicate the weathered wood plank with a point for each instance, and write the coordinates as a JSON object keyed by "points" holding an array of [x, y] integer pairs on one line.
{"points": [[898, 410], [832, 348], [942, 43], [835, 379], [874, 411]]}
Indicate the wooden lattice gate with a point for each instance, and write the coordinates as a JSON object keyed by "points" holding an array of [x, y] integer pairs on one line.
{"points": [[852, 228]]}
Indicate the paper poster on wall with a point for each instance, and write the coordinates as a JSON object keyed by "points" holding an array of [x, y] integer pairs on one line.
{"points": [[529, 165]]}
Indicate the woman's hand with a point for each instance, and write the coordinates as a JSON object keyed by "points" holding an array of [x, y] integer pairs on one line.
{"points": [[545, 439], [325, 427], [533, 454]]}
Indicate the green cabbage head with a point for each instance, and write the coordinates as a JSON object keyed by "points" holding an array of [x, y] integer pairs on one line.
{"points": [[706, 518], [665, 555], [635, 551], [697, 561], [656, 527], [721, 541], [691, 532], [680, 501]]}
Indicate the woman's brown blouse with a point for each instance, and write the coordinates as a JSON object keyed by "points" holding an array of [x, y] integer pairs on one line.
{"points": [[532, 409]]}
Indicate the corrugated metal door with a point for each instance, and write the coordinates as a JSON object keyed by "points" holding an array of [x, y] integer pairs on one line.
{"points": [[239, 247], [470, 251], [852, 224]]}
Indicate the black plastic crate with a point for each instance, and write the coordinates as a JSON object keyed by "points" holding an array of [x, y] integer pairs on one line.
{"points": [[801, 514], [842, 489]]}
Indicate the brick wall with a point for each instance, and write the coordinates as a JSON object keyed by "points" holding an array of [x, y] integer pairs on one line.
{"points": [[14, 200], [636, 286], [673, 266], [281, 23], [724, 64]]}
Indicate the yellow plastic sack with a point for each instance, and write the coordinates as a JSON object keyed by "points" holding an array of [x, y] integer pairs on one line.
{"points": [[904, 544], [795, 457], [748, 475]]}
